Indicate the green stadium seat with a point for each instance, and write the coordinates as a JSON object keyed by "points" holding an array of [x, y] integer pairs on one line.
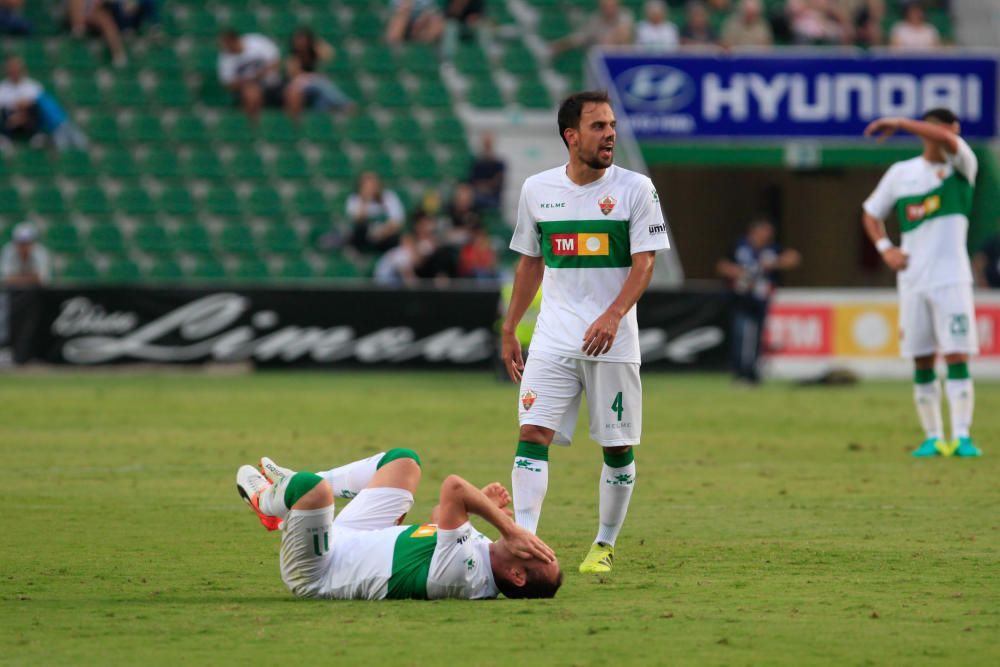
{"points": [[83, 93], [171, 94], [367, 26], [33, 164], [151, 238], [192, 238], [457, 166], [76, 55], [161, 163], [392, 95], [381, 163], [275, 127], [123, 270], [281, 240], [134, 201], [242, 20], [448, 130], [221, 201], [103, 128], [419, 58], [404, 129], [63, 238], [471, 60], [75, 164], [91, 200], [197, 22], [433, 95], [484, 94], [419, 165], [188, 129], [203, 59], [203, 164], [237, 239], [340, 267], [10, 201], [533, 96], [143, 128], [292, 166], [335, 166], [165, 269], [518, 59], [47, 200], [233, 127], [208, 268], [163, 60], [246, 164], [361, 129], [296, 268], [281, 24], [176, 201], [118, 163], [79, 268], [127, 93], [265, 202], [310, 202], [106, 238], [377, 60], [318, 127], [553, 25]]}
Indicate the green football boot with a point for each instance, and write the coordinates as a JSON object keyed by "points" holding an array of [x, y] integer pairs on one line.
{"points": [[965, 447], [932, 447]]}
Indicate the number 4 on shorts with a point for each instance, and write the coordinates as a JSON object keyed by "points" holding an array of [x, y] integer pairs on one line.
{"points": [[617, 406]]}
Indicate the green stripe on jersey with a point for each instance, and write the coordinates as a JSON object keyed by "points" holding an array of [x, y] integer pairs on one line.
{"points": [[617, 254], [411, 563], [952, 197]]}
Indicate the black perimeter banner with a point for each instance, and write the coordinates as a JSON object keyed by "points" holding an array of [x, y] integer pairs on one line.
{"points": [[311, 327]]}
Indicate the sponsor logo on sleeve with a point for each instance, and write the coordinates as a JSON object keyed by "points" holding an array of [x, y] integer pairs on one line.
{"points": [[658, 229]]}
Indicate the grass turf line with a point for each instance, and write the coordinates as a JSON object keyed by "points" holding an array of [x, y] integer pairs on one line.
{"points": [[778, 526]]}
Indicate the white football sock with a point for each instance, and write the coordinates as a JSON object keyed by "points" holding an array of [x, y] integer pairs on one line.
{"points": [[927, 397], [529, 481], [348, 480], [961, 399], [615, 492]]}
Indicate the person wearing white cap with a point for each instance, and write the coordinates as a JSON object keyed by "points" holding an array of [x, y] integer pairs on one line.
{"points": [[25, 262]]}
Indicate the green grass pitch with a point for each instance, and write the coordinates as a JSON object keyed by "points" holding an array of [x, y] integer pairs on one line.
{"points": [[784, 526]]}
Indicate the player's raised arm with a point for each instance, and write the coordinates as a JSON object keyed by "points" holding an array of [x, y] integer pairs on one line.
{"points": [[883, 128], [459, 499]]}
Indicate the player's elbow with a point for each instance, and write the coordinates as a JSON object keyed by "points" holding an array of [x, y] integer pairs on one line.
{"points": [[452, 485]]}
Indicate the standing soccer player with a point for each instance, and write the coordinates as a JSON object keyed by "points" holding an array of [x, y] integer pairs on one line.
{"points": [[932, 195], [588, 232]]}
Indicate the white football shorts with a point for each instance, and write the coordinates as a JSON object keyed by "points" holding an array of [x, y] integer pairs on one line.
{"points": [[942, 320], [551, 389]]}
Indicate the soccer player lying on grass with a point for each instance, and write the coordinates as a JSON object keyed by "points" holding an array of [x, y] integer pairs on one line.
{"points": [[364, 553]]}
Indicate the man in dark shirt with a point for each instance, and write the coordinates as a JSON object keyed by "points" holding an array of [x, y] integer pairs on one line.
{"points": [[486, 175], [986, 263]]}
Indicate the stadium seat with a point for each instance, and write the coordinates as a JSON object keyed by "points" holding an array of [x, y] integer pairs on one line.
{"points": [[318, 127], [310, 202], [367, 26], [171, 94], [188, 129], [47, 200], [232, 127], [75, 164], [122, 270], [126, 92], [237, 239], [246, 164], [340, 267], [221, 201], [484, 94], [292, 166], [63, 238], [296, 268], [33, 164], [118, 163], [281, 239], [176, 201], [448, 130], [404, 129], [106, 238], [251, 269], [381, 163], [276, 128], [533, 96], [10, 201], [419, 58], [265, 202], [163, 60], [392, 95], [192, 238], [103, 128], [361, 129], [421, 166], [143, 128], [208, 268], [204, 164], [151, 238], [197, 22], [134, 201], [161, 163], [165, 269], [91, 200], [335, 166], [79, 268], [433, 95]]}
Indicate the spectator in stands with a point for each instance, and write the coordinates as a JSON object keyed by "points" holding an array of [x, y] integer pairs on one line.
{"points": [[65, 134], [12, 22], [610, 25], [376, 216], [419, 255], [868, 16], [478, 258], [914, 33], [95, 15], [986, 263], [463, 214], [819, 22], [752, 271], [486, 175], [20, 116], [655, 31], [307, 88], [132, 14], [24, 262], [697, 30], [250, 66], [414, 21], [466, 13], [747, 27]]}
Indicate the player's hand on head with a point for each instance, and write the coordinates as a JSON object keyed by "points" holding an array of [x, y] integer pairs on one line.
{"points": [[883, 127], [528, 546], [510, 354], [599, 338], [895, 259]]}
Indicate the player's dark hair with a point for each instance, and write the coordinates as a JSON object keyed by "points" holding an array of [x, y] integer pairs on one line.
{"points": [[228, 33], [942, 115], [572, 107], [535, 586]]}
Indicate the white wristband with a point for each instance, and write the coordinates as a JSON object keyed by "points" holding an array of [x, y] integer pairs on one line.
{"points": [[883, 244]]}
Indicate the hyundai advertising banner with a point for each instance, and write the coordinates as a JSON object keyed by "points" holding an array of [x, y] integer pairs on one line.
{"points": [[796, 95]]}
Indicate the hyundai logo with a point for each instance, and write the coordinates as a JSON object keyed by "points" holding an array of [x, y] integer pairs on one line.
{"points": [[656, 87]]}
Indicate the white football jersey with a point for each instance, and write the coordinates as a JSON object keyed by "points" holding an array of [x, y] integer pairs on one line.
{"points": [[933, 201], [587, 235]]}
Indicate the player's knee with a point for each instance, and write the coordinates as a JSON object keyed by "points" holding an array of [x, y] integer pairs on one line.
{"points": [[536, 434], [320, 494], [400, 454], [617, 451]]}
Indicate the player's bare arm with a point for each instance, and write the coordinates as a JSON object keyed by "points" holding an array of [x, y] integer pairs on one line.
{"points": [[495, 491], [893, 257], [883, 128], [459, 499], [527, 280], [729, 270], [599, 338]]}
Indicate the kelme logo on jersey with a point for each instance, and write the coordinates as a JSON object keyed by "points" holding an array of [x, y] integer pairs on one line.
{"points": [[607, 204], [528, 399], [921, 210], [590, 243]]}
